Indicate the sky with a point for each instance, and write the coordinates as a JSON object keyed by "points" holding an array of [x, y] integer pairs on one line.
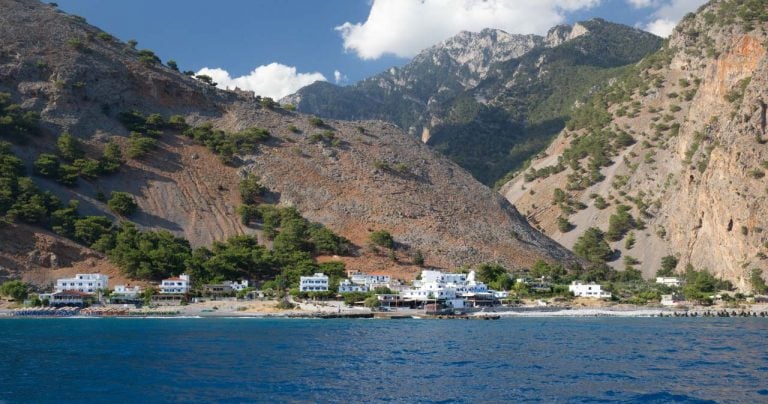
{"points": [[275, 47]]}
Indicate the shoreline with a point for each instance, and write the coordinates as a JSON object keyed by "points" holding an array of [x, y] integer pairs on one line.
{"points": [[182, 312]]}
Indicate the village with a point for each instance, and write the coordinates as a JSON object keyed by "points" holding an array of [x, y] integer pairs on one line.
{"points": [[433, 293]]}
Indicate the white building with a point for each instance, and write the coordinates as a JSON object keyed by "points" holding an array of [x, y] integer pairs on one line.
{"points": [[68, 298], [127, 291], [237, 286], [315, 283], [429, 276], [672, 300], [669, 281], [444, 286], [426, 294], [370, 280], [346, 286], [180, 285], [591, 290], [86, 283]]}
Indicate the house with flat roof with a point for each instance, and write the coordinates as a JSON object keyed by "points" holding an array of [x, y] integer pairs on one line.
{"points": [[347, 286], [669, 281], [315, 283], [86, 283], [590, 290], [370, 280], [178, 285], [674, 299], [68, 298], [126, 294]]}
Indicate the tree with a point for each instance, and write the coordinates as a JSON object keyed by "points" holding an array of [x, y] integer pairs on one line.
{"points": [[250, 189], [48, 165], [668, 265], [122, 203], [172, 64], [418, 258], [593, 247], [206, 79], [757, 281], [69, 147], [16, 290], [620, 223], [495, 276], [382, 238], [564, 225], [372, 302], [132, 43], [139, 145], [112, 158]]}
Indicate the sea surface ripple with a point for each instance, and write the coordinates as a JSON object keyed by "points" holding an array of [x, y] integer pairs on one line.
{"points": [[289, 360]]}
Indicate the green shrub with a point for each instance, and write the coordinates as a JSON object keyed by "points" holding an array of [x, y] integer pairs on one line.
{"points": [[620, 223], [111, 159], [139, 146], [122, 203], [48, 165], [69, 147], [148, 57], [564, 225], [206, 79], [250, 189], [592, 246], [668, 265], [382, 238]]}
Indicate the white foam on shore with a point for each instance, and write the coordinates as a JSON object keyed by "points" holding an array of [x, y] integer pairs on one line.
{"points": [[581, 313]]}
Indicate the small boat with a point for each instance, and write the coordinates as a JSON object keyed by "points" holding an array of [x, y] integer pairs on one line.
{"points": [[416, 317]]}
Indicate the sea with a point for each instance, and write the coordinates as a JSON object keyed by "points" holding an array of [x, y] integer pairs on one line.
{"points": [[596, 359]]}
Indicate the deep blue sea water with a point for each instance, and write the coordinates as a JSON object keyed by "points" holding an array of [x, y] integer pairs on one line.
{"points": [[288, 360]]}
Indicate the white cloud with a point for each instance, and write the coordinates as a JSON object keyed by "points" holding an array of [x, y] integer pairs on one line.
{"points": [[661, 27], [273, 80], [667, 14], [642, 3], [404, 27], [339, 78]]}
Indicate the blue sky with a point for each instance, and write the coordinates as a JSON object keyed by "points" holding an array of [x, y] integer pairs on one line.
{"points": [[297, 41]]}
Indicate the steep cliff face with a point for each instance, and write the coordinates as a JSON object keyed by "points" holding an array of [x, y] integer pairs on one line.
{"points": [[353, 177], [694, 176], [487, 100]]}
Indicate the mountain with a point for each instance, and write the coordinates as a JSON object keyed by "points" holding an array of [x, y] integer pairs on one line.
{"points": [[74, 98], [487, 100], [670, 160]]}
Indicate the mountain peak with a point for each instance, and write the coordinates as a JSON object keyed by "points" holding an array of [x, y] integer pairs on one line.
{"points": [[563, 33]]}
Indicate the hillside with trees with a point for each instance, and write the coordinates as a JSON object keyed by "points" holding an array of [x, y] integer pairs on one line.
{"points": [[113, 160]]}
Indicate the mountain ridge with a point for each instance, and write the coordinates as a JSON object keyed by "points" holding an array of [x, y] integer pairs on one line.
{"points": [[492, 115]]}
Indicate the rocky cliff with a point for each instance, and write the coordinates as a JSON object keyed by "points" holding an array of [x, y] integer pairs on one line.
{"points": [[681, 142], [353, 177]]}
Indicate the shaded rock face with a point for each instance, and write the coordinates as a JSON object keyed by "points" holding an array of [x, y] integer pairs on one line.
{"points": [[704, 189], [374, 177]]}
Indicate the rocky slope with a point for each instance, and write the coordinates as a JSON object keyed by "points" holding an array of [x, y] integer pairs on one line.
{"points": [[488, 100], [693, 175], [371, 176]]}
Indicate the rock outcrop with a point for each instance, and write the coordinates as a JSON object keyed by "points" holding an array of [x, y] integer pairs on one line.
{"points": [[696, 173]]}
